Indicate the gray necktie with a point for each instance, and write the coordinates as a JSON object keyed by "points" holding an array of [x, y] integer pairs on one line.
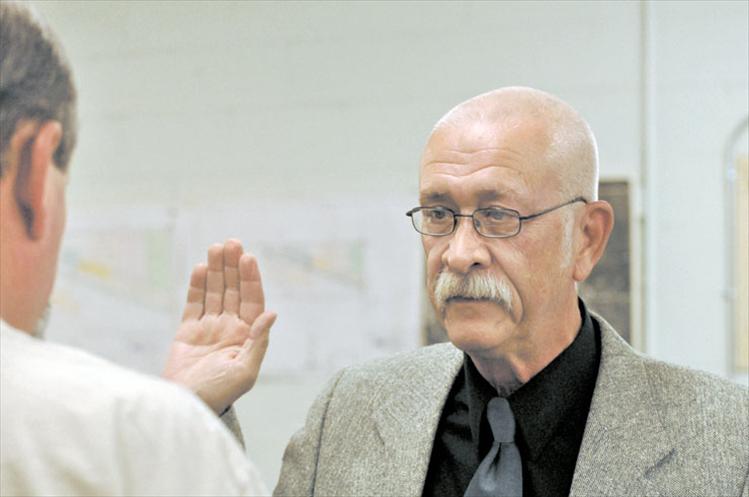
{"points": [[501, 472]]}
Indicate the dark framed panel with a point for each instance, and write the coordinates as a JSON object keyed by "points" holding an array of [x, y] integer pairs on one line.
{"points": [[608, 289]]}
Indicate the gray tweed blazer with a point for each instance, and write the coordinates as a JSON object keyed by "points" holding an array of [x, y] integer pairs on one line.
{"points": [[653, 429]]}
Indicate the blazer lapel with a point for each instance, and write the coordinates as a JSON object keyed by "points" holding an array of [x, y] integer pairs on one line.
{"points": [[407, 423], [625, 441]]}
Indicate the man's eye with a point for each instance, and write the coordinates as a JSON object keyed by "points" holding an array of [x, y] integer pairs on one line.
{"points": [[437, 214], [495, 215]]}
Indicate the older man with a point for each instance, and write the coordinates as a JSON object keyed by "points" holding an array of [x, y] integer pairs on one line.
{"points": [[535, 395], [72, 423]]}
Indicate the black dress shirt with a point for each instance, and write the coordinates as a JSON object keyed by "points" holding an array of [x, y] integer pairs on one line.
{"points": [[550, 414]]}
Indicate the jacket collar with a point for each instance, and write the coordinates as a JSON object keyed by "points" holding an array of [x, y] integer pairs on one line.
{"points": [[407, 421]]}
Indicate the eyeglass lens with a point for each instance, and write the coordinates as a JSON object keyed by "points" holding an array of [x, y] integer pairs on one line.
{"points": [[491, 222]]}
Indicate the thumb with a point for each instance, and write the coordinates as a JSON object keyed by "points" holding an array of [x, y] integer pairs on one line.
{"points": [[253, 349]]}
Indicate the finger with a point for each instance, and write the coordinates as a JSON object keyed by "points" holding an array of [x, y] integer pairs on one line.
{"points": [[253, 350], [252, 299], [232, 252], [196, 293], [214, 298]]}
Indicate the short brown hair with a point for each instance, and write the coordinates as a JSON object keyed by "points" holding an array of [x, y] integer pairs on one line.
{"points": [[36, 82]]}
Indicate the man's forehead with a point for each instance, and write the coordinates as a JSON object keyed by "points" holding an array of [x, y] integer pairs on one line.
{"points": [[519, 147], [491, 182], [487, 163], [529, 136]]}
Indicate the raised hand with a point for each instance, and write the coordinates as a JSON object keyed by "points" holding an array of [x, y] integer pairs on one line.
{"points": [[220, 345]]}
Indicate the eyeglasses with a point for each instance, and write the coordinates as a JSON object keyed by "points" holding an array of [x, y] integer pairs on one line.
{"points": [[491, 222]]}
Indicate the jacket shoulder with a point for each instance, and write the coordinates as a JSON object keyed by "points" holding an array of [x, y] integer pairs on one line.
{"points": [[680, 391], [419, 374], [684, 390], [415, 363]]}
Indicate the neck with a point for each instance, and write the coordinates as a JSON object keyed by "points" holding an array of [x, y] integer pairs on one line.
{"points": [[15, 309], [18, 307], [507, 371]]}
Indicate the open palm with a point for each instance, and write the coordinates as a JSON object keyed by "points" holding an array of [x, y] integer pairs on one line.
{"points": [[221, 342]]}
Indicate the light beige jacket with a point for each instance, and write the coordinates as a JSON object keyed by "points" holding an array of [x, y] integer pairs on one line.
{"points": [[653, 429]]}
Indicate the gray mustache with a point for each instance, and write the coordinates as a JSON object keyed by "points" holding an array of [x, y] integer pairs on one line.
{"points": [[477, 286]]}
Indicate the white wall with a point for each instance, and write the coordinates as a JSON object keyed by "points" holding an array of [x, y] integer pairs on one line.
{"points": [[304, 98], [701, 92], [193, 104]]}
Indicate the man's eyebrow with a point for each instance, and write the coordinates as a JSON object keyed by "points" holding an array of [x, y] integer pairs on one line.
{"points": [[428, 198], [483, 195], [489, 194]]}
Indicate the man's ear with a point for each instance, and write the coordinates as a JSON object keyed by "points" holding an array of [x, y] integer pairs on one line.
{"points": [[31, 155], [596, 226]]}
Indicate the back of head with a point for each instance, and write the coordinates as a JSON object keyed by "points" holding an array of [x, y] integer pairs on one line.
{"points": [[570, 146], [36, 83], [37, 137]]}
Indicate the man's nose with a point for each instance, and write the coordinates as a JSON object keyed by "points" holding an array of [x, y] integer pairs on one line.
{"points": [[466, 249]]}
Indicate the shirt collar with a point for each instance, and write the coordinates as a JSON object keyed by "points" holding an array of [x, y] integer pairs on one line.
{"points": [[10, 331], [558, 394]]}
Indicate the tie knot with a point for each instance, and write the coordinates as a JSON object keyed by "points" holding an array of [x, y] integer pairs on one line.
{"points": [[501, 420]]}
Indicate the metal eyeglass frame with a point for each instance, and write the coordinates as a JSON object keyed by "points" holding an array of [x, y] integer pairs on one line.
{"points": [[511, 212]]}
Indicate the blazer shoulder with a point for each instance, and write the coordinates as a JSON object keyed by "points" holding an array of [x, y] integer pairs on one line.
{"points": [[423, 370], [683, 386], [414, 363], [676, 388]]}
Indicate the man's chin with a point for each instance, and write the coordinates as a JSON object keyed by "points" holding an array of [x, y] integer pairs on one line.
{"points": [[475, 324], [477, 340]]}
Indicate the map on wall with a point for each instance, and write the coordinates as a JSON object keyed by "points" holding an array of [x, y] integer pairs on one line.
{"points": [[343, 276], [113, 293]]}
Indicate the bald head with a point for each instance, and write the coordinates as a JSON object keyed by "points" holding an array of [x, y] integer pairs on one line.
{"points": [[566, 145]]}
